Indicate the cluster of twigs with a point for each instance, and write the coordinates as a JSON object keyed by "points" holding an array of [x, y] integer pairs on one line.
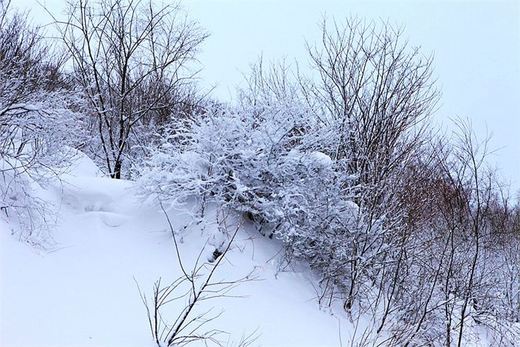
{"points": [[195, 286]]}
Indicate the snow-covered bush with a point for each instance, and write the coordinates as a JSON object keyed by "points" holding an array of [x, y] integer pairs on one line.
{"points": [[266, 162], [36, 124]]}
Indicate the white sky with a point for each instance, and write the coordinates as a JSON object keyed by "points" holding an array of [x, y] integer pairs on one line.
{"points": [[476, 47]]}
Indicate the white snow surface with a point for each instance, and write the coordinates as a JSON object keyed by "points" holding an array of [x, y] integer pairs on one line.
{"points": [[84, 292]]}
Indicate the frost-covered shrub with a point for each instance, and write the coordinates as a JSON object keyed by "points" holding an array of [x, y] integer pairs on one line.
{"points": [[23, 205], [266, 163], [37, 123], [229, 154]]}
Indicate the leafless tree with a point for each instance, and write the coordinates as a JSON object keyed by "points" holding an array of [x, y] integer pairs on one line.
{"points": [[377, 88], [473, 183], [379, 93], [132, 60]]}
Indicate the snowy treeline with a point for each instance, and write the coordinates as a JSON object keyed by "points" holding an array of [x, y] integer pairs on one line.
{"points": [[408, 227]]}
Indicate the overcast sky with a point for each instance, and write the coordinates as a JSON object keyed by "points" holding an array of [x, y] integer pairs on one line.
{"points": [[476, 47]]}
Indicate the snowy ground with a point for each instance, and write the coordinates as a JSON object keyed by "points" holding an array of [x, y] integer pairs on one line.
{"points": [[84, 292]]}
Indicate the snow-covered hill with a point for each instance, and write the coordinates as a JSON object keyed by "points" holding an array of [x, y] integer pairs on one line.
{"points": [[84, 291]]}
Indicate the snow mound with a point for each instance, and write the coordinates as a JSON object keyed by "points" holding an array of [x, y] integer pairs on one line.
{"points": [[82, 165]]}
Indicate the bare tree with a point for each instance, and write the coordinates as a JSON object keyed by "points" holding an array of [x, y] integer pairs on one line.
{"points": [[477, 180], [463, 192], [132, 60], [377, 88]]}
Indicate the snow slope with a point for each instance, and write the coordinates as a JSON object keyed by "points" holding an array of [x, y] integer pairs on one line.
{"points": [[84, 292]]}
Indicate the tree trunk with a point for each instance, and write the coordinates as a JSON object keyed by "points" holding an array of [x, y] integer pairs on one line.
{"points": [[117, 170]]}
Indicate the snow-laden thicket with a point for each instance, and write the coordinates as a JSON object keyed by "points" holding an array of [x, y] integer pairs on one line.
{"points": [[404, 228], [38, 119], [426, 254], [398, 224], [265, 167]]}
